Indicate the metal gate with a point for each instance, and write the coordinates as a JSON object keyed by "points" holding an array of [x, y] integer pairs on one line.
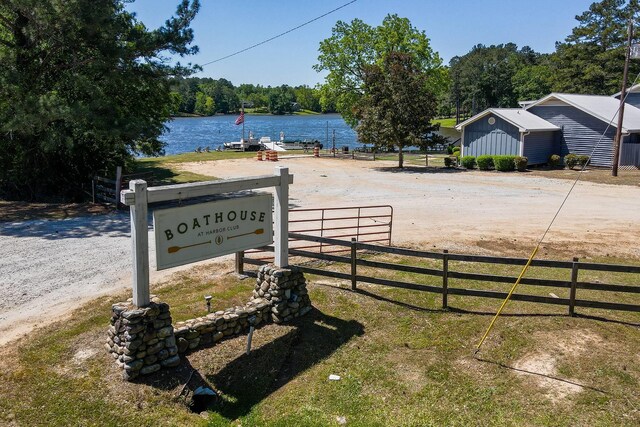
{"points": [[366, 224]]}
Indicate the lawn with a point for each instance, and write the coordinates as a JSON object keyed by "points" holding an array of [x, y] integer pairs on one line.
{"points": [[401, 359], [446, 123]]}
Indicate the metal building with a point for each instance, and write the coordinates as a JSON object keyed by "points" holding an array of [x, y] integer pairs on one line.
{"points": [[508, 131], [588, 123]]}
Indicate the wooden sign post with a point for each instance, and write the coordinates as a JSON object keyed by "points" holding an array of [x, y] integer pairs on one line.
{"points": [[139, 196]]}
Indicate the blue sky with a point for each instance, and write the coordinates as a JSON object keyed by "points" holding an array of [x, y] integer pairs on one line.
{"points": [[454, 27]]}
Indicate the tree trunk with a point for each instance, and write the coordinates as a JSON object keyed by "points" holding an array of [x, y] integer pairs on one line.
{"points": [[400, 157], [426, 158]]}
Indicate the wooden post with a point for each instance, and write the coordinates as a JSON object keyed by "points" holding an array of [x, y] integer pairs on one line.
{"points": [[140, 243], [93, 190], [354, 247], [118, 185], [574, 284], [239, 263], [281, 220], [445, 278]]}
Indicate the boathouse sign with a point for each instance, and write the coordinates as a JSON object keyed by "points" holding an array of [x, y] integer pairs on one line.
{"points": [[197, 232]]}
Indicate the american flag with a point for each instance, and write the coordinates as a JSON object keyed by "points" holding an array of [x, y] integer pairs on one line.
{"points": [[240, 119]]}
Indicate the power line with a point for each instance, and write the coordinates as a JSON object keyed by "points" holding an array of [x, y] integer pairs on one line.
{"points": [[279, 35]]}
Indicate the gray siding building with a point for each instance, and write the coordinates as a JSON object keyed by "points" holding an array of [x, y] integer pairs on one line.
{"points": [[557, 124], [588, 126], [508, 131]]}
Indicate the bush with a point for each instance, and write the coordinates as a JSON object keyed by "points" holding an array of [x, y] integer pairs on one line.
{"points": [[505, 163], [583, 160], [449, 149], [468, 162], [521, 163], [571, 160], [485, 162], [455, 150], [450, 161], [554, 161]]}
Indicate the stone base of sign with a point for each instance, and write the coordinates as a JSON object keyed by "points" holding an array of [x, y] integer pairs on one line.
{"points": [[280, 295], [286, 291], [142, 339], [207, 330]]}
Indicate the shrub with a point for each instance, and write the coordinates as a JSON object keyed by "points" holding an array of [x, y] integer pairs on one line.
{"points": [[449, 149], [450, 161], [583, 160], [485, 162], [571, 160], [504, 163], [455, 150], [521, 163], [554, 161], [468, 162]]}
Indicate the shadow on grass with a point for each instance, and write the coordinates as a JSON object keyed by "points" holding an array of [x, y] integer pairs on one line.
{"points": [[475, 312], [161, 175], [249, 379], [551, 377]]}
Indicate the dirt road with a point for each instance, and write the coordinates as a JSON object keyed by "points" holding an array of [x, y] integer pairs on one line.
{"points": [[48, 266], [458, 209]]}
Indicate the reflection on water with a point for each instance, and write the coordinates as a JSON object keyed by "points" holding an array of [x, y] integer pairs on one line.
{"points": [[186, 134]]}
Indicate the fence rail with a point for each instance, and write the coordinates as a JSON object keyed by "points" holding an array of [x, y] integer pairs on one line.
{"points": [[446, 273]]}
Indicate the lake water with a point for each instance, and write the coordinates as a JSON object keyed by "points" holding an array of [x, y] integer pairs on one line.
{"points": [[185, 134]]}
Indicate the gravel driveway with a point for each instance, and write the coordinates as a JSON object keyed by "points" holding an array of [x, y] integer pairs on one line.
{"points": [[50, 265]]}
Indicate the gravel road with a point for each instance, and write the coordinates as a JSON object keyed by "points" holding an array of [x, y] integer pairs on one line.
{"points": [[50, 265]]}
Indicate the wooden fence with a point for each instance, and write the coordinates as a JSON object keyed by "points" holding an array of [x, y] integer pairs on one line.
{"points": [[107, 190], [572, 283]]}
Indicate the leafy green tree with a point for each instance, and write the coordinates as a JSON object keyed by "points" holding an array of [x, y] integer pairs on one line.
{"points": [[532, 82], [84, 87], [281, 99], [308, 98], [591, 59], [205, 105], [398, 106], [354, 46], [483, 77]]}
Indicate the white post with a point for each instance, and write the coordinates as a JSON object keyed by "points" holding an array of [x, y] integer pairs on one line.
{"points": [[281, 212], [140, 243]]}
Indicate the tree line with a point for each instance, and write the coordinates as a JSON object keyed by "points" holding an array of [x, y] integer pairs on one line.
{"points": [[207, 96]]}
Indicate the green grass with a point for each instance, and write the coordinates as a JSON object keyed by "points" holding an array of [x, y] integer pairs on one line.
{"points": [[403, 361], [446, 123], [166, 169]]}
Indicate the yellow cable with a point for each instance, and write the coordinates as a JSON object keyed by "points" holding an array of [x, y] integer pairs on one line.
{"points": [[513, 288]]}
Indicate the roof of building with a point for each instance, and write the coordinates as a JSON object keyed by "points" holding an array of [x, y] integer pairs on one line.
{"points": [[602, 107], [633, 89], [522, 119]]}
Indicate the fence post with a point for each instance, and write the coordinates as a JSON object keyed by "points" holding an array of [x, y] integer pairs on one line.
{"points": [[93, 190], [354, 244], [574, 284], [118, 185], [239, 262], [445, 278], [140, 243]]}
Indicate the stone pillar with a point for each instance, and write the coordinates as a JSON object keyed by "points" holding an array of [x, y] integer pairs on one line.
{"points": [[285, 289], [142, 339]]}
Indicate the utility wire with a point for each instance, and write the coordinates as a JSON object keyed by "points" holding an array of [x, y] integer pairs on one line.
{"points": [[537, 247], [279, 35]]}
